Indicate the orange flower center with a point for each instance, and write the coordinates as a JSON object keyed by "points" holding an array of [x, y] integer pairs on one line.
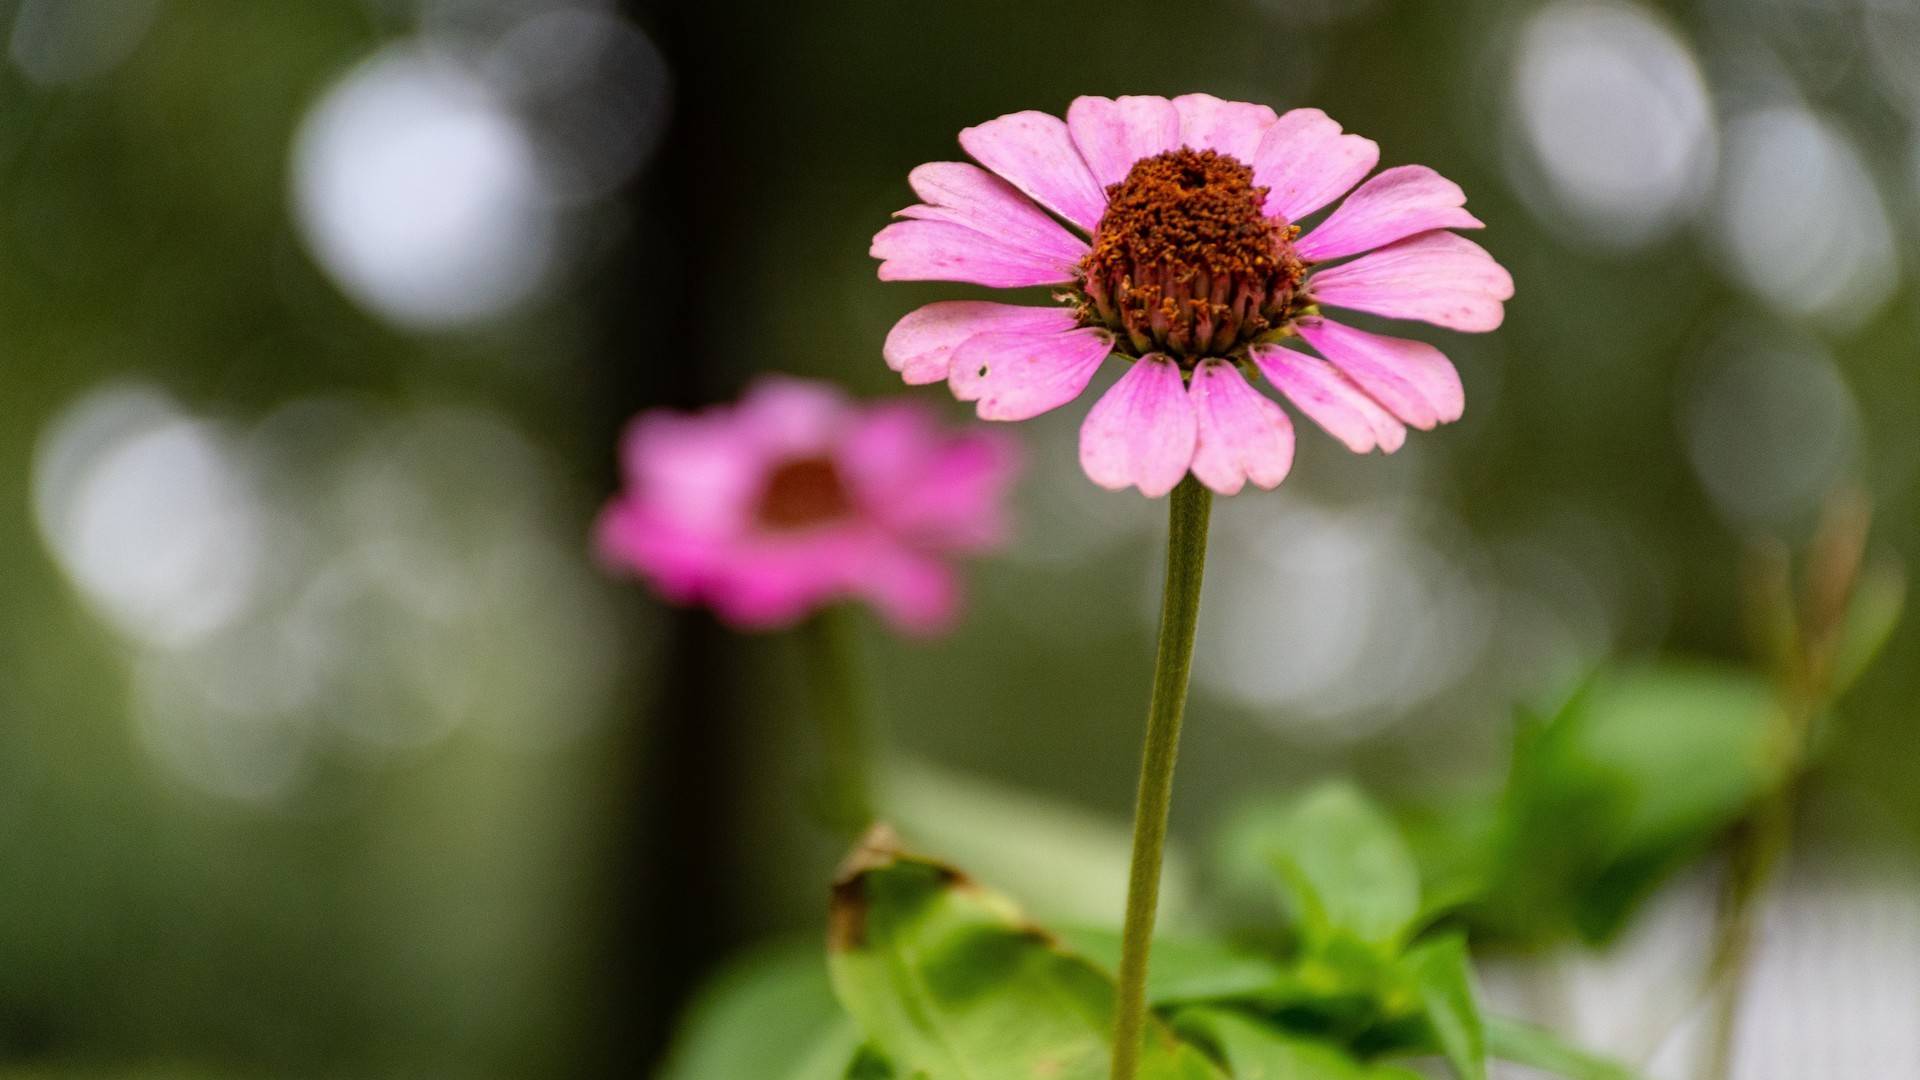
{"points": [[1185, 260]]}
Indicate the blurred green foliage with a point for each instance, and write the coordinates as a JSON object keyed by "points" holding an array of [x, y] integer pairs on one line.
{"points": [[947, 978], [1636, 774], [771, 1013]]}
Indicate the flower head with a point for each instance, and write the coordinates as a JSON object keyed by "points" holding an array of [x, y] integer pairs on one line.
{"points": [[1170, 233], [797, 497]]}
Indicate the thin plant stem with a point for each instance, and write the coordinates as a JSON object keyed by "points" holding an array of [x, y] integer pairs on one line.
{"points": [[1757, 851], [1760, 843], [1800, 640], [841, 709], [1189, 508]]}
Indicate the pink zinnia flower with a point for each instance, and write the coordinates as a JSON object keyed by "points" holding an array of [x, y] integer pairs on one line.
{"points": [[797, 497], [1196, 273]]}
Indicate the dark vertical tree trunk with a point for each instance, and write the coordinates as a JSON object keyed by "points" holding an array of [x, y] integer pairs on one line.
{"points": [[673, 911]]}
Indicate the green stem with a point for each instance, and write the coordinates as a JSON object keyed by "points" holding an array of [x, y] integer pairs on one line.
{"points": [[1801, 637], [840, 707], [1760, 844], [1188, 510], [1758, 848], [1754, 856]]}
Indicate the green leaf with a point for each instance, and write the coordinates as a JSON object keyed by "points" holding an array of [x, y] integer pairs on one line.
{"points": [[1691, 746], [1342, 864], [1443, 975], [1258, 1051], [1454, 841], [1062, 862], [951, 982], [869, 1065], [1538, 1048], [1633, 776], [770, 1014], [1188, 970], [1879, 599]]}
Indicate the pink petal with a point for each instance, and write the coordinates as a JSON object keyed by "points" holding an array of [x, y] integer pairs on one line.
{"points": [[1113, 134], [1142, 433], [694, 469], [785, 416], [1034, 152], [1412, 379], [944, 251], [919, 345], [1392, 206], [703, 471], [775, 583], [1343, 409], [1243, 434], [942, 489], [674, 559], [751, 583], [887, 448], [969, 195], [1436, 277], [1308, 163], [1017, 376], [1233, 128], [959, 502], [917, 593]]}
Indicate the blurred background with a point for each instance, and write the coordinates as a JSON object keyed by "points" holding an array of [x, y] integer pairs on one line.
{"points": [[327, 750]]}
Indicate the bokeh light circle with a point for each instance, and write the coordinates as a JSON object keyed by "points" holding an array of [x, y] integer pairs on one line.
{"points": [[421, 193]]}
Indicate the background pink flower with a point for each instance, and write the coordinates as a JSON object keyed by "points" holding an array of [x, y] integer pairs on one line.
{"points": [[797, 497], [1168, 229]]}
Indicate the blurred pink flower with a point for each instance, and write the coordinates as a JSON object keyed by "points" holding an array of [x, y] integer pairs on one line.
{"points": [[797, 497], [1195, 273]]}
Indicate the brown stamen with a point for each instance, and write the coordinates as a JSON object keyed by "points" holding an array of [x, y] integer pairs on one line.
{"points": [[1185, 261], [803, 493]]}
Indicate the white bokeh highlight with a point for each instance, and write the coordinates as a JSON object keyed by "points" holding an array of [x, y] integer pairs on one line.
{"points": [[422, 194], [150, 514], [1770, 426], [334, 588], [1832, 985], [62, 42], [1333, 622], [1615, 126], [1800, 220], [595, 90]]}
